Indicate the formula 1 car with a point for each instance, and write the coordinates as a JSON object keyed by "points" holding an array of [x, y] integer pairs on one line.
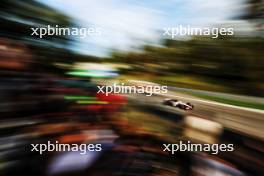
{"points": [[178, 104]]}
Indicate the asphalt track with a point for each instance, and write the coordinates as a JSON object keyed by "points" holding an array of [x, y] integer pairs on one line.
{"points": [[246, 121]]}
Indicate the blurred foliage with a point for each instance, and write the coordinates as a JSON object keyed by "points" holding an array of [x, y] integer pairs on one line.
{"points": [[235, 63], [18, 17]]}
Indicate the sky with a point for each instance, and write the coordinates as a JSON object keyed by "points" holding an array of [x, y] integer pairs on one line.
{"points": [[129, 24]]}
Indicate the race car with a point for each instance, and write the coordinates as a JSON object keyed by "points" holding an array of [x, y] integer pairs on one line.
{"points": [[178, 104]]}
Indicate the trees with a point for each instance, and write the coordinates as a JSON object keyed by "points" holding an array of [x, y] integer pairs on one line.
{"points": [[236, 63]]}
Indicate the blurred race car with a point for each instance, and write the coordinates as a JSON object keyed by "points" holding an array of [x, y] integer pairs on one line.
{"points": [[178, 104]]}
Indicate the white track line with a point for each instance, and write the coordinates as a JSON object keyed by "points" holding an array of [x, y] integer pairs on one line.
{"points": [[215, 103]]}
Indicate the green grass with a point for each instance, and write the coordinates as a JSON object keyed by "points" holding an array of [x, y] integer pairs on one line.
{"points": [[198, 83], [231, 101]]}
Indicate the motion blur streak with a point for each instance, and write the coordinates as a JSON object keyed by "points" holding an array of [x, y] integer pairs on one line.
{"points": [[48, 88]]}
